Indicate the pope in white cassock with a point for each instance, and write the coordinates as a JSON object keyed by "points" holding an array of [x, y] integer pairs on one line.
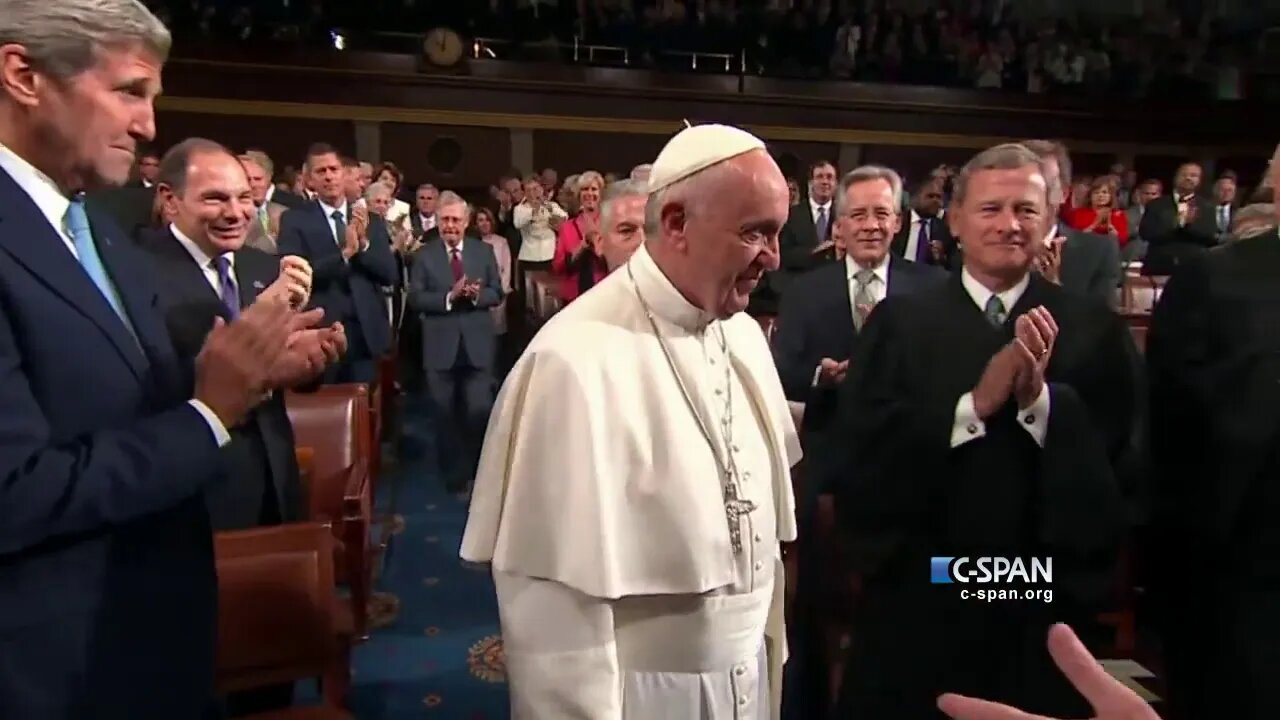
{"points": [[635, 479]]}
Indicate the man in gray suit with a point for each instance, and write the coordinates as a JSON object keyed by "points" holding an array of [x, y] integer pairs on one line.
{"points": [[453, 284], [266, 221], [1087, 263], [1148, 190]]}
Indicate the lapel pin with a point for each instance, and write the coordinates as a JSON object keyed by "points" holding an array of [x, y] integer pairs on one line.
{"points": [[257, 285]]}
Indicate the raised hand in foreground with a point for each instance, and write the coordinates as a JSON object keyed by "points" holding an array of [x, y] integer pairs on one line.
{"points": [[1110, 699]]}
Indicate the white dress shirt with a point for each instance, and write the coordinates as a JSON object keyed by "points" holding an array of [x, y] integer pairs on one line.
{"points": [[1034, 418], [913, 236], [877, 289], [53, 205], [813, 212], [328, 216], [204, 261]]}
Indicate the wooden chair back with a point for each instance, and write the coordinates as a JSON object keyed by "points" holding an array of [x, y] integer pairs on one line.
{"points": [[276, 621]]}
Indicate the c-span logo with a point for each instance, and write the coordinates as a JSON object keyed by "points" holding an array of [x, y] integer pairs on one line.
{"points": [[990, 570]]}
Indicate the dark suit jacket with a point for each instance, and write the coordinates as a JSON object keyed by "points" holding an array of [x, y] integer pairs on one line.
{"points": [[938, 230], [415, 223], [796, 243], [1168, 243], [463, 324], [1090, 264], [190, 306], [347, 290], [106, 556], [130, 207], [288, 199], [1214, 356], [817, 324]]}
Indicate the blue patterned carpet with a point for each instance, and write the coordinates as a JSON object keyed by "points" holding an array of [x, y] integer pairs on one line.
{"points": [[440, 659]]}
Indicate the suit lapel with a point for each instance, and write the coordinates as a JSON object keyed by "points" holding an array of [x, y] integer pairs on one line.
{"points": [[25, 234], [899, 280], [248, 283]]}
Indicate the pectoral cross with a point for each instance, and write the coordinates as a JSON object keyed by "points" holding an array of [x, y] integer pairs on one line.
{"points": [[735, 508]]}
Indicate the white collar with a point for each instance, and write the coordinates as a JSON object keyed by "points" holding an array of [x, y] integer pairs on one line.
{"points": [[328, 209], [271, 192], [813, 206], [662, 297], [980, 294], [200, 256], [42, 190], [448, 249], [881, 271]]}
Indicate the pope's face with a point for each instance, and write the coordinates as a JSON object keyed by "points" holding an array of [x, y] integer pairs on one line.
{"points": [[732, 237]]}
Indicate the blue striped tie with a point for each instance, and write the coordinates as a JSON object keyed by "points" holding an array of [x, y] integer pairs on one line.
{"points": [[82, 237]]}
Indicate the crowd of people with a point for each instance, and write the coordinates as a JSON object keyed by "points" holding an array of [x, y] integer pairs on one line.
{"points": [[956, 43], [967, 389]]}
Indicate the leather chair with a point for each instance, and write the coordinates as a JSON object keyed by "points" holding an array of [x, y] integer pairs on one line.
{"points": [[276, 616], [333, 422]]}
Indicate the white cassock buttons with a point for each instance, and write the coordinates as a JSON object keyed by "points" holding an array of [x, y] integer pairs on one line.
{"points": [[735, 448], [742, 700], [973, 429], [739, 671], [1029, 419], [758, 537], [759, 566]]}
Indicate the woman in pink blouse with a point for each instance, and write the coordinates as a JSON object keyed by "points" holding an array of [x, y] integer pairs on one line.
{"points": [[574, 263], [486, 228]]}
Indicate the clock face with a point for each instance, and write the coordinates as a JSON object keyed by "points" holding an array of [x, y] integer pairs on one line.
{"points": [[443, 46]]}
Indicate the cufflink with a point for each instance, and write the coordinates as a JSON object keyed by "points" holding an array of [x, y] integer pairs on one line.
{"points": [[1029, 418], [973, 429]]}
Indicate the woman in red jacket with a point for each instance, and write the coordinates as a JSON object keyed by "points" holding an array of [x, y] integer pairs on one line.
{"points": [[1101, 216], [574, 263]]}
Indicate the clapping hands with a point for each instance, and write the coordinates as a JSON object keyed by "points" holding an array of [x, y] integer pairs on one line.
{"points": [[1018, 369], [293, 284]]}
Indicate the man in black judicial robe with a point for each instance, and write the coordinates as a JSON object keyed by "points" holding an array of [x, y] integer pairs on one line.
{"points": [[1214, 357], [982, 428]]}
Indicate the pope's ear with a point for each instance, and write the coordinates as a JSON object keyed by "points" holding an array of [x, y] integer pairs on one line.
{"points": [[673, 222]]}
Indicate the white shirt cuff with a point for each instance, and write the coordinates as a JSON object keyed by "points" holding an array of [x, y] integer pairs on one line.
{"points": [[967, 425], [817, 373], [220, 433], [1035, 419], [448, 304]]}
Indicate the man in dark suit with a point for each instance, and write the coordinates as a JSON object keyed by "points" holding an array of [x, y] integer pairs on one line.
{"points": [[131, 208], [985, 417], [453, 284], [148, 169], [805, 241], [1215, 408], [1086, 263], [1179, 224], [817, 331], [351, 262], [206, 271], [422, 218], [107, 439], [273, 193], [923, 236]]}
